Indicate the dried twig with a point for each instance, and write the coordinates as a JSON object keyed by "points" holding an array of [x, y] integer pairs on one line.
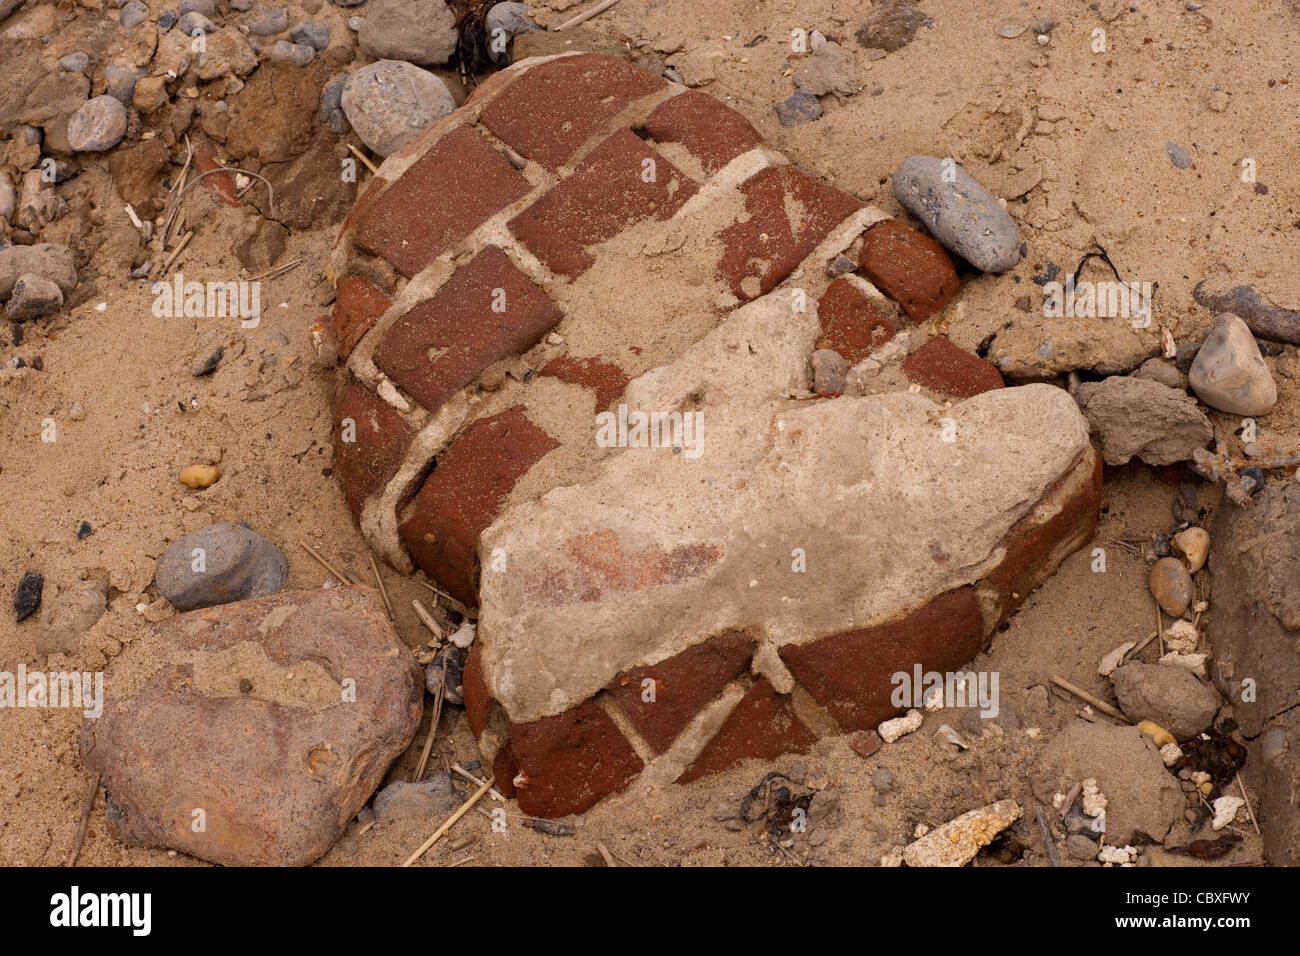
{"points": [[1083, 695], [451, 602], [451, 821], [433, 726], [423, 614], [278, 270], [362, 156], [180, 246], [325, 563], [85, 818], [605, 854], [1249, 808], [383, 592], [270, 190], [584, 17], [457, 768], [1137, 648], [1047, 836]]}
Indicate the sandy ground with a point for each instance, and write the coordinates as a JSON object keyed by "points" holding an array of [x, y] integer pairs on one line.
{"points": [[1217, 81]]}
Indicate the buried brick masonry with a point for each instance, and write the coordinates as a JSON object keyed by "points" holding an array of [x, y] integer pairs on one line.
{"points": [[580, 225]]}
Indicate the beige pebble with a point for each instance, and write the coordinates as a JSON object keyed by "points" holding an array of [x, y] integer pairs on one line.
{"points": [[1171, 586], [1194, 545], [200, 476], [1157, 733]]}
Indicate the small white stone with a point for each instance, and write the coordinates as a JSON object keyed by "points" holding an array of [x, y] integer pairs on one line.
{"points": [[1181, 637], [464, 636], [1225, 811], [891, 730], [1117, 855], [1111, 660], [1094, 801], [1171, 754]]}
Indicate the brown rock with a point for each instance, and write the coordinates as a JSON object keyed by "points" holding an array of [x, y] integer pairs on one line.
{"points": [[1171, 586], [136, 170], [1167, 694], [264, 247], [272, 774]]}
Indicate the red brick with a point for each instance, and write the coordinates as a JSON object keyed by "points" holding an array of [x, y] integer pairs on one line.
{"points": [[945, 368], [762, 725], [767, 245], [365, 465], [683, 685], [711, 132], [608, 380], [465, 492], [555, 107], [504, 768], [571, 760], [865, 743], [220, 183], [474, 691], [442, 344], [446, 194], [1030, 543], [368, 195], [604, 196], [851, 325], [849, 673], [490, 87], [357, 306], [909, 267]]}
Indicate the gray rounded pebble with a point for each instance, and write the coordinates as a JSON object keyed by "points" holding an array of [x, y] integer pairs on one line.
{"points": [[1228, 372], [1080, 847], [313, 33], [167, 19], [299, 54], [435, 795], [193, 23], [133, 14], [882, 779], [219, 564], [355, 23], [120, 80], [206, 7], [961, 214], [1180, 156], [265, 22], [1272, 744], [390, 102], [74, 62], [511, 18], [99, 125]]}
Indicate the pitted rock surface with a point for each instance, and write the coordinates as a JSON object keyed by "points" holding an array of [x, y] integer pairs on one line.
{"points": [[267, 768]]}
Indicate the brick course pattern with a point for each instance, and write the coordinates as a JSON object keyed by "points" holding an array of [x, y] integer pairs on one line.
{"points": [[465, 277]]}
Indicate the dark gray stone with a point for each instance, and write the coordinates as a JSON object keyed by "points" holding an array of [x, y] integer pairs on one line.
{"points": [[33, 297], [313, 33], [219, 564], [798, 108]]}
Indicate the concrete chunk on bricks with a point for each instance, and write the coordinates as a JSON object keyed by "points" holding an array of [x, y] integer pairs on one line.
{"points": [[626, 467]]}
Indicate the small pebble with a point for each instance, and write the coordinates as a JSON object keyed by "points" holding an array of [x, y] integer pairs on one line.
{"points": [[264, 22], [85, 530], [1171, 586], [98, 125], [1194, 545], [167, 19], [74, 62], [206, 7], [1011, 30], [882, 779], [207, 362], [798, 108], [199, 476], [1229, 373], [299, 54], [313, 33], [1252, 479], [133, 14], [193, 24], [1180, 156], [27, 598], [829, 371]]}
